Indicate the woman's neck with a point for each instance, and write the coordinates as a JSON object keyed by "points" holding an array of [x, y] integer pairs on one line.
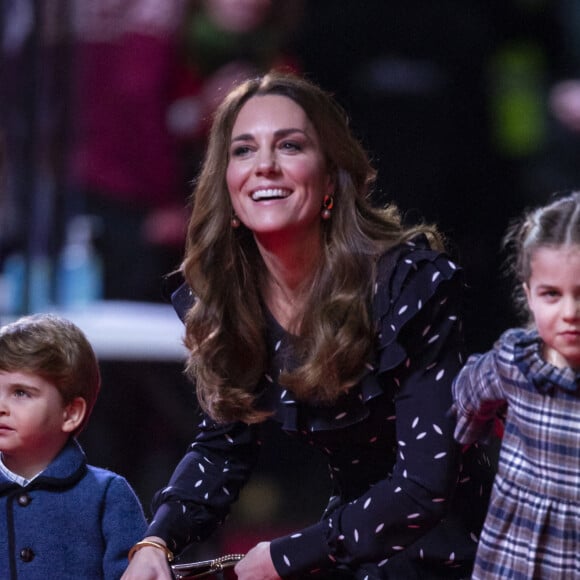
{"points": [[289, 275]]}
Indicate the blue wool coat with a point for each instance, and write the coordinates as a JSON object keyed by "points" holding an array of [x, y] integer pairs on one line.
{"points": [[72, 521]]}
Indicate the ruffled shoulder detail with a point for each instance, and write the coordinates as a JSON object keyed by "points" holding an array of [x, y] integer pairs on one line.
{"points": [[526, 346], [408, 276]]}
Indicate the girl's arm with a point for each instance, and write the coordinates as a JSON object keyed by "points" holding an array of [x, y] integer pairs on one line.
{"points": [[479, 398]]}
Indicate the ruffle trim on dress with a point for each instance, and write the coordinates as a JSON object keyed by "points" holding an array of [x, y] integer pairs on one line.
{"points": [[544, 376], [408, 276], [401, 292]]}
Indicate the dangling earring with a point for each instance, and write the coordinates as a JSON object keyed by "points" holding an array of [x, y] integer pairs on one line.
{"points": [[327, 205], [235, 222]]}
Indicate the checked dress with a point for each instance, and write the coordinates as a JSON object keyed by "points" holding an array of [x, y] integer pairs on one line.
{"points": [[532, 529]]}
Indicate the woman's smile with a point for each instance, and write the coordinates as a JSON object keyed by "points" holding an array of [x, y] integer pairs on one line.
{"points": [[270, 193]]}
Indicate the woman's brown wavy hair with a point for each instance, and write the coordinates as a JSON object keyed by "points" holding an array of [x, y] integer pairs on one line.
{"points": [[225, 329]]}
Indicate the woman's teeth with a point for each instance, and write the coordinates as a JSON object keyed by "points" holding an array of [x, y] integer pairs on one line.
{"points": [[269, 194]]}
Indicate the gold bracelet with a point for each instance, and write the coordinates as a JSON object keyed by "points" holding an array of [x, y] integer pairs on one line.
{"points": [[152, 544]]}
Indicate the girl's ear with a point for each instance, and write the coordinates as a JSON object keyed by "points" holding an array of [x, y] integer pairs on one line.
{"points": [[526, 291], [73, 414]]}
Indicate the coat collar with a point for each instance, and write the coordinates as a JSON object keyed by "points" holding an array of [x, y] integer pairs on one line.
{"points": [[65, 470]]}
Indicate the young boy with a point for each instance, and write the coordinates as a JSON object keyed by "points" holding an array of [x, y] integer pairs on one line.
{"points": [[59, 517]]}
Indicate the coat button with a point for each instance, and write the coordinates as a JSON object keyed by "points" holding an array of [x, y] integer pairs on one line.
{"points": [[27, 554], [24, 499]]}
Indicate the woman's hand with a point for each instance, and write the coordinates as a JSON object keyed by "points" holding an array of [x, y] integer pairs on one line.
{"points": [[257, 564], [148, 563]]}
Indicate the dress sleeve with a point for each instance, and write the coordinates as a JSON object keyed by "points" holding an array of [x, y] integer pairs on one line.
{"points": [[205, 483], [479, 397], [420, 356]]}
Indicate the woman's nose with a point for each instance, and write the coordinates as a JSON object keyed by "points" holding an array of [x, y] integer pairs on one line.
{"points": [[266, 163]]}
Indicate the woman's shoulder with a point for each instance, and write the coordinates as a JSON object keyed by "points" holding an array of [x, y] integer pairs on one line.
{"points": [[413, 282], [412, 271]]}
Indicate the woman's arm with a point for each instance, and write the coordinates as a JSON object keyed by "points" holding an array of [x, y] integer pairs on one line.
{"points": [[200, 493], [257, 564], [149, 563]]}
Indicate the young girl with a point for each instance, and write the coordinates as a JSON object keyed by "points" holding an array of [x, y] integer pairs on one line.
{"points": [[532, 528]]}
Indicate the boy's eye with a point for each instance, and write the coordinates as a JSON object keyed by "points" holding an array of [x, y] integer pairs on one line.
{"points": [[550, 293], [20, 393]]}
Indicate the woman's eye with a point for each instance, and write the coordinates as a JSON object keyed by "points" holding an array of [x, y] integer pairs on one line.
{"points": [[291, 146], [240, 150]]}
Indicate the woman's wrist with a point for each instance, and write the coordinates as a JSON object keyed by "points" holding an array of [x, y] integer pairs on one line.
{"points": [[151, 542]]}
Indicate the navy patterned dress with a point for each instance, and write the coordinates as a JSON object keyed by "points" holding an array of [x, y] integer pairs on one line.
{"points": [[406, 503], [532, 529]]}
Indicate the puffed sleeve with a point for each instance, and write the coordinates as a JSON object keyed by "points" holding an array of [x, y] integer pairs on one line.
{"points": [[479, 395], [204, 484], [420, 351]]}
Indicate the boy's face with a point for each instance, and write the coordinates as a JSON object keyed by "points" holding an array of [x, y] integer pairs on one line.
{"points": [[33, 422]]}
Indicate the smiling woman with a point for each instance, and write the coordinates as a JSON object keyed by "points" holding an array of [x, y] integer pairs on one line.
{"points": [[307, 307]]}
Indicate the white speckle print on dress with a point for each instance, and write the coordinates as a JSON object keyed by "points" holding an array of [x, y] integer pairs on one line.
{"points": [[388, 442]]}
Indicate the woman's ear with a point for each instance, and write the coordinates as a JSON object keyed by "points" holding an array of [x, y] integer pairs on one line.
{"points": [[73, 415], [331, 181]]}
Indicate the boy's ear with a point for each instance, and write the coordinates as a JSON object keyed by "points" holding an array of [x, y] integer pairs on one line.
{"points": [[73, 414]]}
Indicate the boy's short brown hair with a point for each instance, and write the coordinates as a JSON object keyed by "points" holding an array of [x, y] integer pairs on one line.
{"points": [[55, 349]]}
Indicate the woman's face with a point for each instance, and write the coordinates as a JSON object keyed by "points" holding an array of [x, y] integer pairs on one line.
{"points": [[276, 174]]}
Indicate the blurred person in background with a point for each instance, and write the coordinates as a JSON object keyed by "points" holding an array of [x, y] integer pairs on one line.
{"points": [[124, 161], [222, 42], [148, 77]]}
